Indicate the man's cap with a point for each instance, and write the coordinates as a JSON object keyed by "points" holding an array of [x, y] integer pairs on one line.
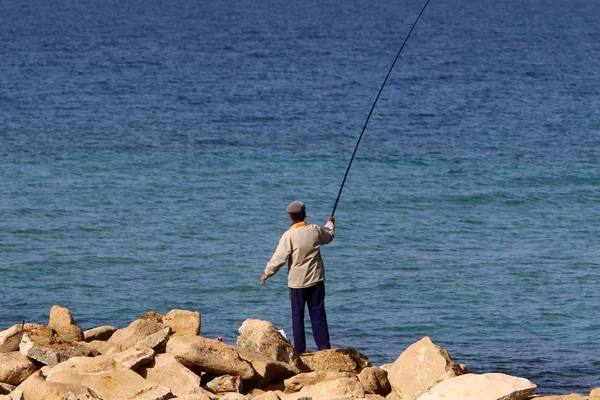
{"points": [[295, 207]]}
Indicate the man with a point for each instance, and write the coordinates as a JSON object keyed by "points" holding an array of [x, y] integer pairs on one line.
{"points": [[300, 246]]}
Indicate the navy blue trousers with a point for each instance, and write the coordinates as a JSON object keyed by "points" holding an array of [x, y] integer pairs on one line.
{"points": [[314, 297]]}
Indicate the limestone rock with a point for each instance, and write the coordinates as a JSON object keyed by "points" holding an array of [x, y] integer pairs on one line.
{"points": [[298, 382], [263, 337], [99, 333], [135, 333], [267, 396], [108, 378], [491, 386], [225, 383], [15, 368], [101, 347], [207, 355], [267, 369], [595, 394], [341, 387], [11, 337], [183, 322], [6, 388], [419, 367], [134, 357], [197, 396], [61, 320], [167, 371], [158, 340], [573, 396], [152, 316], [44, 345], [336, 360], [375, 381], [36, 388], [234, 396]]}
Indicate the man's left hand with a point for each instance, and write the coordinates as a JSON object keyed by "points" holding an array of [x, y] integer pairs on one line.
{"points": [[263, 279]]}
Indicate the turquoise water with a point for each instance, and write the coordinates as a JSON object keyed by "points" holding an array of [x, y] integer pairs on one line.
{"points": [[148, 152]]}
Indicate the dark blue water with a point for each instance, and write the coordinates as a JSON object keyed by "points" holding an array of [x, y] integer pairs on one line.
{"points": [[148, 151]]}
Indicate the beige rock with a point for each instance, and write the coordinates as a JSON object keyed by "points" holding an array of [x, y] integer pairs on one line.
{"points": [[419, 367], [234, 396], [107, 378], [267, 396], [6, 388], [167, 371], [336, 360], [371, 396], [491, 386], [341, 387], [298, 382], [61, 320], [183, 322], [197, 396], [573, 396], [134, 357], [15, 368], [99, 333], [263, 337], [375, 381], [36, 388], [101, 347], [595, 394], [44, 345], [225, 383], [11, 337], [207, 355], [158, 340], [135, 333], [267, 369]]}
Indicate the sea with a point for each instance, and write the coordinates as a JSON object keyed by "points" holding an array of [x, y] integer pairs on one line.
{"points": [[148, 150]]}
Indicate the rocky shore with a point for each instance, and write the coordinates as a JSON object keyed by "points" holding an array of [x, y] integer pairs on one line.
{"points": [[165, 357]]}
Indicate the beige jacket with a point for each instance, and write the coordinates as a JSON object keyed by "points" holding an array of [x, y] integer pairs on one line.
{"points": [[300, 246]]}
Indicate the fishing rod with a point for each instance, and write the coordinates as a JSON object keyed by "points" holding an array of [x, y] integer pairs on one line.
{"points": [[373, 106]]}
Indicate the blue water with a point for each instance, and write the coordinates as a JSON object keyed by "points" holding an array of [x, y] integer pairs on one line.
{"points": [[148, 151]]}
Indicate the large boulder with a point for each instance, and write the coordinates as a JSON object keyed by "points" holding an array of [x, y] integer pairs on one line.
{"points": [[267, 369], [142, 331], [341, 387], [11, 337], [375, 381], [336, 360], [298, 382], [43, 344], [15, 368], [61, 320], [422, 365], [206, 355], [168, 372], [37, 388], [183, 322], [6, 388], [99, 333], [108, 378], [491, 386], [263, 337], [573, 396], [134, 357], [101, 347]]}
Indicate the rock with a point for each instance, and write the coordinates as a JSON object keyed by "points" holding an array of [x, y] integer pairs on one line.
{"points": [[6, 388], [167, 371], [134, 357], [183, 322], [336, 360], [61, 320], [341, 387], [419, 367], [138, 331], [207, 355], [267, 369], [492, 386], [573, 396], [99, 333], [197, 396], [36, 388], [225, 383], [152, 316], [595, 394], [11, 337], [107, 378], [263, 337], [158, 340], [234, 396], [15, 368], [266, 396], [375, 381], [101, 347], [44, 345], [298, 382]]}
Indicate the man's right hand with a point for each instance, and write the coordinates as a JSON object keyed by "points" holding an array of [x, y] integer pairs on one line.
{"points": [[263, 279], [331, 219]]}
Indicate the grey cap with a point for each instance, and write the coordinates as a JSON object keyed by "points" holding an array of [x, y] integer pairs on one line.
{"points": [[295, 207]]}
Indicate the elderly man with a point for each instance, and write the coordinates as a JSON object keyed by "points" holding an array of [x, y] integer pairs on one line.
{"points": [[300, 246]]}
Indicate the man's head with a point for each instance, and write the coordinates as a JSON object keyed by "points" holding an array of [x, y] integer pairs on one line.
{"points": [[297, 211]]}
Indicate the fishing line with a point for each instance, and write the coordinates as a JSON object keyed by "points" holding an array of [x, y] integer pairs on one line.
{"points": [[373, 107]]}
